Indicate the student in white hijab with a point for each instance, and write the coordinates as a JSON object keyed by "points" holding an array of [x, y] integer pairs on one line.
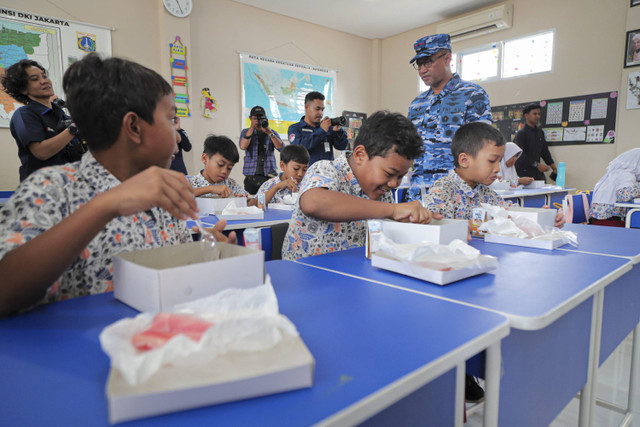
{"points": [[507, 165], [619, 184]]}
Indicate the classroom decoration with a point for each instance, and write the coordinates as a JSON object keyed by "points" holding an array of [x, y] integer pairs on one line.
{"points": [[576, 120], [633, 91], [179, 81], [632, 49], [54, 42], [354, 123], [208, 103], [279, 86]]}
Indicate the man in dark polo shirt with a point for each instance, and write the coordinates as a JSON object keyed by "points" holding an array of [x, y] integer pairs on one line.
{"points": [[534, 146]]}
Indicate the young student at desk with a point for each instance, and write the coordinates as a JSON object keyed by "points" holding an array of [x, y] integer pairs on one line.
{"points": [[219, 157], [63, 225], [336, 197], [619, 184], [294, 161], [477, 149], [508, 171]]}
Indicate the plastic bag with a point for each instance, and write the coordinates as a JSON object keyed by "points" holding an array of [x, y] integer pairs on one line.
{"points": [[455, 255], [232, 209], [245, 320]]}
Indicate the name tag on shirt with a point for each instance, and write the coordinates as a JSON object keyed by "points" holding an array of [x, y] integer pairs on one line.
{"points": [[327, 147], [307, 130]]}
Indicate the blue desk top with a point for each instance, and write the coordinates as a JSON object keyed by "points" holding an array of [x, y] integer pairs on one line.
{"points": [[532, 287], [271, 216], [363, 337], [616, 241]]}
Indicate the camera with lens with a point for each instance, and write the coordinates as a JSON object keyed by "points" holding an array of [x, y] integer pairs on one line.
{"points": [[338, 121], [262, 121]]}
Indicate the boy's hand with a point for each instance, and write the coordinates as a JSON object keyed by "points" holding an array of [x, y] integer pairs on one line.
{"points": [[217, 232], [289, 183], [413, 212], [526, 180], [154, 187], [221, 190]]}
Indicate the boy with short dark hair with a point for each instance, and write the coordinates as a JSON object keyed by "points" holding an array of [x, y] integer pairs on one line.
{"points": [[477, 150], [61, 228], [294, 162], [219, 156], [336, 197]]}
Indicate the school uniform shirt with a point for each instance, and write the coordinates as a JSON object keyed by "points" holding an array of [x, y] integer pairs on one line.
{"points": [[436, 118], [453, 198], [309, 236], [280, 194], [199, 181], [317, 141], [619, 184], [49, 195]]}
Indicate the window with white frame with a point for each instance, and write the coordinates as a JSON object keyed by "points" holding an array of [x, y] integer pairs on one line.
{"points": [[528, 55], [506, 59]]}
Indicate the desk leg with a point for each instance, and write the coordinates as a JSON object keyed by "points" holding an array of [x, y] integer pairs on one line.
{"points": [[493, 366], [634, 380], [587, 396], [460, 403]]}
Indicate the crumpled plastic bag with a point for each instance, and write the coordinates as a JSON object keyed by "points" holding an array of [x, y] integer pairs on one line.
{"points": [[523, 228], [290, 199], [244, 320], [232, 209], [453, 256]]}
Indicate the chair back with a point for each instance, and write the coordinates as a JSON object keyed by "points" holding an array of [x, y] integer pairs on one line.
{"points": [[576, 208]]}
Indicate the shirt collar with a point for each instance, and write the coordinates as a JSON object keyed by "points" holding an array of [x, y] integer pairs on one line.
{"points": [[451, 84], [462, 184], [342, 163], [38, 107], [96, 174]]}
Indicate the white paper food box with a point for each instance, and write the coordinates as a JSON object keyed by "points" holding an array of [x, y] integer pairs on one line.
{"points": [[535, 184], [438, 277], [157, 279], [544, 217], [636, 200], [441, 231], [287, 366], [241, 217], [211, 205], [528, 243], [281, 206]]}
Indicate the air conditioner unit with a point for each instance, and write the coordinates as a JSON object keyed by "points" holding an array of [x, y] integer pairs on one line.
{"points": [[478, 23]]}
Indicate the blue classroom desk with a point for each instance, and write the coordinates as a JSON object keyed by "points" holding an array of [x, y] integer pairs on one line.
{"points": [[548, 298], [372, 345], [621, 305]]}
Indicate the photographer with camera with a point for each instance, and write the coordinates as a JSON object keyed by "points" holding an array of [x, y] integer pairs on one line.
{"points": [[317, 134], [258, 141], [44, 133]]}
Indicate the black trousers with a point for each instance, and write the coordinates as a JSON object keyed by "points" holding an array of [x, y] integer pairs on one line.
{"points": [[252, 183]]}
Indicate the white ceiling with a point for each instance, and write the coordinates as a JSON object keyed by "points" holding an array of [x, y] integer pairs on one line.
{"points": [[372, 19]]}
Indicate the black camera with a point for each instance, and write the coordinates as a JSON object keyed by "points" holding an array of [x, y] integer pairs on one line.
{"points": [[338, 121], [262, 121]]}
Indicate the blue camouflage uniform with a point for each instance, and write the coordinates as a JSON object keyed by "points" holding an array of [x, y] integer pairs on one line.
{"points": [[438, 116]]}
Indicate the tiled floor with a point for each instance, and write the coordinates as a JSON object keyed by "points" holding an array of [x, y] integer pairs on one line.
{"points": [[613, 385]]}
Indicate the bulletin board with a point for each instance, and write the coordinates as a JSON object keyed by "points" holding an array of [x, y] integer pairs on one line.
{"points": [[576, 120], [354, 123]]}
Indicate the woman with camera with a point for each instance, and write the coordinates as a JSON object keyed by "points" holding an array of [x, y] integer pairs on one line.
{"points": [[259, 141], [43, 132]]}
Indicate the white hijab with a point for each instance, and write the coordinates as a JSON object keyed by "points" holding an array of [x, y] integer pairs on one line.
{"points": [[509, 173], [623, 171]]}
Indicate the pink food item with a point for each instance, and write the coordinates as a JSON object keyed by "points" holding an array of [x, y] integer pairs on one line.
{"points": [[166, 326]]}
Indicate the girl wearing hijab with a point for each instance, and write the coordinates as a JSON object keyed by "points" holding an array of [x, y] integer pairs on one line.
{"points": [[619, 184], [507, 165]]}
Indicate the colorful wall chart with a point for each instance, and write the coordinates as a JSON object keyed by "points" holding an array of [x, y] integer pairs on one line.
{"points": [[179, 80]]}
